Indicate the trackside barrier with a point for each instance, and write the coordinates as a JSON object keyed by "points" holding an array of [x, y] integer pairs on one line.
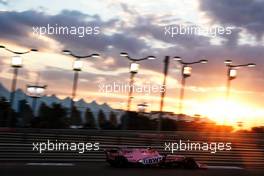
{"points": [[16, 145]]}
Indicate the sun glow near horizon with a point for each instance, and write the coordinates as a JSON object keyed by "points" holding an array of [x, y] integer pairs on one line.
{"points": [[229, 112], [232, 112]]}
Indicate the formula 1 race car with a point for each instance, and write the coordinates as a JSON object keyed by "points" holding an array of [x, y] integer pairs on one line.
{"points": [[125, 157]]}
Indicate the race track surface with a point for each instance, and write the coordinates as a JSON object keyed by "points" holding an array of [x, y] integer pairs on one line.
{"points": [[103, 169]]}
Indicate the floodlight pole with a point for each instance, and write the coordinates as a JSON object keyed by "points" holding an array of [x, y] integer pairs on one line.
{"points": [[163, 93]]}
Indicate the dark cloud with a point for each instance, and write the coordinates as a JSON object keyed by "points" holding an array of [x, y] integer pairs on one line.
{"points": [[154, 26], [158, 33], [247, 14], [17, 26]]}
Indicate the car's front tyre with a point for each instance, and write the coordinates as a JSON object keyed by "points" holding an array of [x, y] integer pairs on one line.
{"points": [[190, 163], [120, 162]]}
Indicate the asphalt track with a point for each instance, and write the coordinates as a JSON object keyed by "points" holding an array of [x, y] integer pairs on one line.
{"points": [[100, 168]]}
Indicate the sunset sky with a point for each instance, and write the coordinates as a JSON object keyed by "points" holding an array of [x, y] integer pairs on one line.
{"points": [[137, 27]]}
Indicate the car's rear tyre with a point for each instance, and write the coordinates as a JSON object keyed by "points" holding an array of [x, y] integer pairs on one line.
{"points": [[190, 163]]}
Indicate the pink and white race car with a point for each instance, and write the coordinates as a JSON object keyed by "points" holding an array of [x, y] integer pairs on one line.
{"points": [[125, 157]]}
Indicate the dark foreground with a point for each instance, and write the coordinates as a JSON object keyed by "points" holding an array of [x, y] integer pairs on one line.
{"points": [[97, 169]]}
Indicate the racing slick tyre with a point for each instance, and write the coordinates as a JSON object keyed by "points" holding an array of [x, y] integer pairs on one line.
{"points": [[112, 163], [189, 163], [120, 162]]}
